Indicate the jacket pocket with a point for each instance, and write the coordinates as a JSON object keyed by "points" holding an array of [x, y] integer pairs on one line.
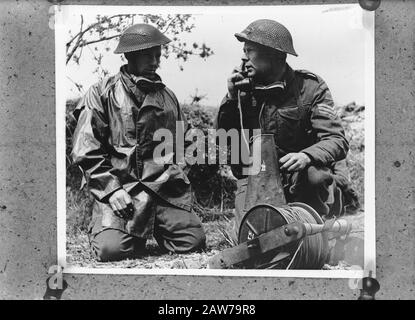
{"points": [[290, 113], [288, 135]]}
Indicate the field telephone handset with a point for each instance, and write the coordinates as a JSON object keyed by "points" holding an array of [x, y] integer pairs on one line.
{"points": [[245, 84]]}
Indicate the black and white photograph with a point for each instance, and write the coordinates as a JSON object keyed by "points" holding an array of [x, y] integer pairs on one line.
{"points": [[233, 140]]}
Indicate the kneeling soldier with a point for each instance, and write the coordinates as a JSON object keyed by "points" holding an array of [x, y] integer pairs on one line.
{"points": [[136, 197]]}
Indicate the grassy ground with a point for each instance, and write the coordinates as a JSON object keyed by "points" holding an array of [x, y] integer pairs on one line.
{"points": [[79, 254], [217, 221]]}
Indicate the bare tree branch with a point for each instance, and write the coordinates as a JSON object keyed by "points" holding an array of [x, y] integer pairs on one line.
{"points": [[78, 86], [170, 23], [79, 36], [106, 28], [184, 50], [84, 44], [98, 60], [81, 33], [69, 56], [99, 40]]}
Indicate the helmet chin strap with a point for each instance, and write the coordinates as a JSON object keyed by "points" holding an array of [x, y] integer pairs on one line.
{"points": [[147, 84]]}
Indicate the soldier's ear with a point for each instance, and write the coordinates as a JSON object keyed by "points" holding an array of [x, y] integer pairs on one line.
{"points": [[281, 56], [280, 59]]}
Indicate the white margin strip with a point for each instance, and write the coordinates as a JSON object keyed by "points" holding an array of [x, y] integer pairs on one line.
{"points": [[368, 19], [369, 219], [60, 69]]}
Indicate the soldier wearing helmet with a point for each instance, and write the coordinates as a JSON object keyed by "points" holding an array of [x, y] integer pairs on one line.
{"points": [[136, 198], [295, 106]]}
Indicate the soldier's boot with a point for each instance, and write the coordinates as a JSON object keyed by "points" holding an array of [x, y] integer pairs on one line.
{"points": [[350, 198], [314, 186]]}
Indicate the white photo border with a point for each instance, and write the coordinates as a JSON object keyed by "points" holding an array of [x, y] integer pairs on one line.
{"points": [[366, 19]]}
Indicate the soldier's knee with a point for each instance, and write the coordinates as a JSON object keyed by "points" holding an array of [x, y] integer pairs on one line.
{"points": [[319, 177], [114, 245], [193, 241], [107, 246], [186, 240]]}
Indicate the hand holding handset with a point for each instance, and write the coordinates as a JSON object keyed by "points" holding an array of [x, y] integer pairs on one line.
{"points": [[245, 84], [239, 81]]}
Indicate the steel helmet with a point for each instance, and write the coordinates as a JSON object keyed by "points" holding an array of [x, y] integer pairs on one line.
{"points": [[269, 33], [139, 37]]}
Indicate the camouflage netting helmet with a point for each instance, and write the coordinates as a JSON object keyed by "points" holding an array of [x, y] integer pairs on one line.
{"points": [[139, 37], [269, 33]]}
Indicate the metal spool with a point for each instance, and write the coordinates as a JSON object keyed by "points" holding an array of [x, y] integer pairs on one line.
{"points": [[264, 217]]}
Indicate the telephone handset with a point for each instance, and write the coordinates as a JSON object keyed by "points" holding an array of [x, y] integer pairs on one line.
{"points": [[245, 84]]}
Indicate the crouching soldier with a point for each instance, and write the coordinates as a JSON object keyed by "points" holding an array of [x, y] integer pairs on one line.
{"points": [[136, 197], [296, 107]]}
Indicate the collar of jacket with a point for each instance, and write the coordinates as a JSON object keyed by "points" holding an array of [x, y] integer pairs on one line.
{"points": [[289, 75], [278, 89], [141, 83]]}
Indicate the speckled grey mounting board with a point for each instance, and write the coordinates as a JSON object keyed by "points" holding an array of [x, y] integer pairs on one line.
{"points": [[28, 170]]}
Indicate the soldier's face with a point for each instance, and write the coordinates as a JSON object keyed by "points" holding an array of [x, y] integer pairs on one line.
{"points": [[262, 63], [145, 62]]}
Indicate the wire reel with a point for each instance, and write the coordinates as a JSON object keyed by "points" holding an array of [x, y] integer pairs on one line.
{"points": [[262, 218]]}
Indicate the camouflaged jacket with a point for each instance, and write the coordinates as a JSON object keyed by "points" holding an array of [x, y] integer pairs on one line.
{"points": [[113, 145]]}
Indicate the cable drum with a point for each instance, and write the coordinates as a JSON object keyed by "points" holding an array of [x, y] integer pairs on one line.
{"points": [[308, 253]]}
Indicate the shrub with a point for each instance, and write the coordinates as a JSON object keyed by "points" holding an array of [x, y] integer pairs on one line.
{"points": [[213, 185], [352, 117]]}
